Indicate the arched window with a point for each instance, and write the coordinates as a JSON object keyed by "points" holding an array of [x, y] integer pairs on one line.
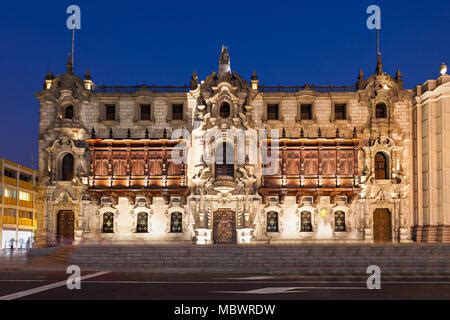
{"points": [[225, 110], [381, 166], [67, 167], [305, 221], [108, 222], [224, 159], [381, 111], [272, 221], [142, 222], [339, 221], [176, 222], [68, 112]]}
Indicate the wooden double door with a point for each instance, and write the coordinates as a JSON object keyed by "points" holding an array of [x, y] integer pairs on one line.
{"points": [[224, 226], [382, 225], [65, 226]]}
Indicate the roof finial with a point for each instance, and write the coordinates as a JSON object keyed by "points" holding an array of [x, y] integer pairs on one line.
{"points": [[224, 61], [443, 69], [398, 75], [361, 74], [379, 68], [146, 133], [110, 135], [194, 81]]}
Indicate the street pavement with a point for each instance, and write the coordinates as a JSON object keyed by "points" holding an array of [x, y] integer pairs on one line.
{"points": [[51, 285]]}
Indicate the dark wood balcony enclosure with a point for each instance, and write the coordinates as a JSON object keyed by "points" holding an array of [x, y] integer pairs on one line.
{"points": [[137, 167], [311, 167]]}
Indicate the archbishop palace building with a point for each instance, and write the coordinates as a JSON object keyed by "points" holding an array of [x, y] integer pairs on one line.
{"points": [[229, 161]]}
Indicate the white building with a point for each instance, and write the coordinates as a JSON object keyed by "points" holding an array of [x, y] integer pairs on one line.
{"points": [[227, 161]]}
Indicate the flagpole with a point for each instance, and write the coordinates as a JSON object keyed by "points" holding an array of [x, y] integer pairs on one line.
{"points": [[73, 44]]}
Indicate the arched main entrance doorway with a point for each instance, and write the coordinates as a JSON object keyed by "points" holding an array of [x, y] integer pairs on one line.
{"points": [[224, 226], [65, 223], [382, 226]]}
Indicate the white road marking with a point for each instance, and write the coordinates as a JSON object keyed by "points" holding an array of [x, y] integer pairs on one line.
{"points": [[270, 290], [274, 290], [62, 283]]}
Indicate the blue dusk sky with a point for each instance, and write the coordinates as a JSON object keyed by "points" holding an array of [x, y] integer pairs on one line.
{"points": [[162, 42]]}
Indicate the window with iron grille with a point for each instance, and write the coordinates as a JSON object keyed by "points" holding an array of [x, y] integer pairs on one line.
{"points": [[340, 111], [177, 112], [108, 222], [272, 221], [273, 112], [305, 221], [110, 112], [306, 112], [142, 222], [145, 112], [176, 225], [339, 221]]}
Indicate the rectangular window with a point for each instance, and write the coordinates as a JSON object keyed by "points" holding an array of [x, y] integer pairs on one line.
{"points": [[24, 196], [26, 214], [145, 112], [306, 112], [177, 112], [25, 177], [10, 173], [273, 112], [10, 193], [9, 212], [110, 112], [340, 111]]}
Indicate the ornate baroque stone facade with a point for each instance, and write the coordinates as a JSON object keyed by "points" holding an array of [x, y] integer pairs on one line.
{"points": [[227, 161]]}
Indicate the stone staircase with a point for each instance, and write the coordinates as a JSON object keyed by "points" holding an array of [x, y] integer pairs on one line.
{"points": [[311, 259]]}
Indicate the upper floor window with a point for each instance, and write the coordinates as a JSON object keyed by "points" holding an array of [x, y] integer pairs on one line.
{"points": [[25, 196], [67, 167], [224, 159], [381, 166], [110, 112], [177, 112], [381, 111], [306, 112], [25, 177], [68, 112], [10, 173], [273, 112], [225, 110], [145, 112], [10, 193], [340, 111]]}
